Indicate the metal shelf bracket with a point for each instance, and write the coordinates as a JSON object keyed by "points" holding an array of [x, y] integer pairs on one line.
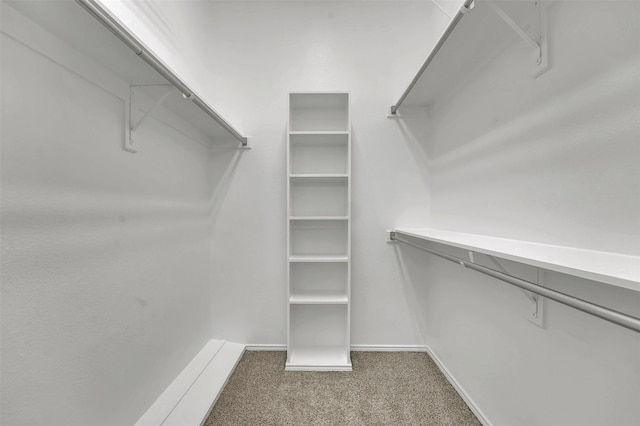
{"points": [[536, 314], [539, 46], [129, 143]]}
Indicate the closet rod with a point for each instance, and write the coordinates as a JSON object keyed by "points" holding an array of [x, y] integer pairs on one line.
{"points": [[98, 12], [619, 318], [464, 9]]}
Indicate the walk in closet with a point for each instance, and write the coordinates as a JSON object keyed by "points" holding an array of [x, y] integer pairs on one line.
{"points": [[304, 212]]}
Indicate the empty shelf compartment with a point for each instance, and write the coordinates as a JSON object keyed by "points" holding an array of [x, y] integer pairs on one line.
{"points": [[319, 154], [318, 281], [318, 237], [319, 111], [318, 336], [319, 196]]}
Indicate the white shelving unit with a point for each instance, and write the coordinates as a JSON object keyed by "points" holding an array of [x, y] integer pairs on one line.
{"points": [[318, 232], [96, 54], [476, 34], [613, 269]]}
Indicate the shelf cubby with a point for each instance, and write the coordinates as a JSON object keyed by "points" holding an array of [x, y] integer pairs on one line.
{"points": [[310, 112], [319, 337], [318, 237], [319, 153], [318, 279], [319, 196]]}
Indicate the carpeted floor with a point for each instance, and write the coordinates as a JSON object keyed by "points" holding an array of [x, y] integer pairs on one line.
{"points": [[384, 388]]}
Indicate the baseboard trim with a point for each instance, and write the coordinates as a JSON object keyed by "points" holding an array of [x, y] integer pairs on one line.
{"points": [[265, 347], [355, 348], [388, 348], [456, 385], [193, 393], [162, 408]]}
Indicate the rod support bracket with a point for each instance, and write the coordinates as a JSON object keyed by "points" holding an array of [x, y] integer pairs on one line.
{"points": [[132, 126], [538, 43], [537, 312], [464, 9], [392, 236], [392, 112]]}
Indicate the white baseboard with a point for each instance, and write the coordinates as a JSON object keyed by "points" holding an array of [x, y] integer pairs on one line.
{"points": [[463, 394], [266, 347], [193, 392], [388, 348], [357, 348]]}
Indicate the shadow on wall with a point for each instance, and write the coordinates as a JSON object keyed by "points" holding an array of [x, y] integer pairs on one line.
{"points": [[413, 124], [224, 161]]}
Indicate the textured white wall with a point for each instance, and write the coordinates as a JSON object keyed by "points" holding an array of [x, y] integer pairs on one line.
{"points": [[553, 159], [261, 51], [105, 254], [249, 56]]}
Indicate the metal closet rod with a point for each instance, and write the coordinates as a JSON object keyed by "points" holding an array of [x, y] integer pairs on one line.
{"points": [[619, 318], [98, 12], [464, 9]]}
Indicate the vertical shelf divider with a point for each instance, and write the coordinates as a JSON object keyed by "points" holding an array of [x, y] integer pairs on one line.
{"points": [[318, 216]]}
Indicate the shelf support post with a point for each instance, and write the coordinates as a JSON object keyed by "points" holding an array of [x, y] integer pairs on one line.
{"points": [[539, 46]]}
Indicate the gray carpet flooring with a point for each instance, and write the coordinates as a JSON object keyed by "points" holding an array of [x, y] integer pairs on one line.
{"points": [[384, 388]]}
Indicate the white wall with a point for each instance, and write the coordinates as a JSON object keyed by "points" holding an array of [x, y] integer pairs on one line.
{"points": [[108, 288], [263, 51], [552, 159], [249, 56], [105, 254]]}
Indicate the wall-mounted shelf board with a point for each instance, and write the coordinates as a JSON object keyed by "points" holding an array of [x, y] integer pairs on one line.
{"points": [[318, 132], [310, 258], [318, 298], [93, 41], [477, 38], [609, 268], [315, 359], [319, 218], [318, 175]]}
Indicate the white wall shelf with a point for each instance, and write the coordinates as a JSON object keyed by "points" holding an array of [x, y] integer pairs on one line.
{"points": [[318, 235], [313, 259], [319, 218], [319, 132], [609, 268], [136, 82], [318, 175], [319, 297], [471, 40]]}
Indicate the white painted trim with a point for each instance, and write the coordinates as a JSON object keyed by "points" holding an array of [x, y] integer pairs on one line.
{"points": [[175, 392], [356, 348], [196, 405], [389, 348], [265, 347], [458, 387]]}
